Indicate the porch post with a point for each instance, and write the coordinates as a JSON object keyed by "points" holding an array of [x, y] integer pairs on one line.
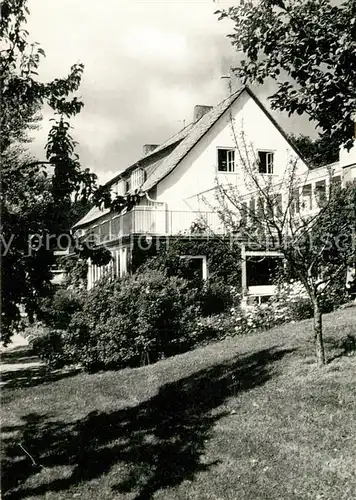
{"points": [[90, 275]]}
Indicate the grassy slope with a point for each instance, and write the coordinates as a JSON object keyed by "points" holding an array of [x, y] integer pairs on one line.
{"points": [[246, 418]]}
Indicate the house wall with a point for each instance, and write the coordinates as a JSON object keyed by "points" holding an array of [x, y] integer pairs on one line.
{"points": [[197, 172], [348, 163]]}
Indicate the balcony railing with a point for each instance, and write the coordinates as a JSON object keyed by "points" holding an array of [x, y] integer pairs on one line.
{"points": [[152, 221]]}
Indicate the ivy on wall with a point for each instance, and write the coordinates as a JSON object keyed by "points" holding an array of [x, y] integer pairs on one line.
{"points": [[223, 256]]}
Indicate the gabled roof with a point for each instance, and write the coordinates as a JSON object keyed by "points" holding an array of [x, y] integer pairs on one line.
{"points": [[149, 159], [93, 214], [182, 134], [151, 164], [158, 166], [196, 132]]}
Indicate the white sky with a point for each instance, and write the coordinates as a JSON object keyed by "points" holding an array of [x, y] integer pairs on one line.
{"points": [[147, 63]]}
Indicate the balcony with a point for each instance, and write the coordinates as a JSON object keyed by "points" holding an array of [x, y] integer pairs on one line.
{"points": [[156, 222]]}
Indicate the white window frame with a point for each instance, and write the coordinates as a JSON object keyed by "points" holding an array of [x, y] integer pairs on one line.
{"points": [[204, 267], [307, 197], [269, 161], [230, 160]]}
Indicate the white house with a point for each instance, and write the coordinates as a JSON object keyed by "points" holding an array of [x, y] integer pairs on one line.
{"points": [[173, 178]]}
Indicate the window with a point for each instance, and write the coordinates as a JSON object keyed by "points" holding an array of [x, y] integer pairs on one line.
{"points": [[137, 178], [279, 205], [195, 267], [265, 162], [226, 160], [262, 270], [307, 197], [105, 231], [120, 188], [320, 192], [295, 202]]}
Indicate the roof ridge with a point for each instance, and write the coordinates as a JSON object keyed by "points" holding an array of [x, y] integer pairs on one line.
{"points": [[164, 162], [168, 142], [166, 167]]}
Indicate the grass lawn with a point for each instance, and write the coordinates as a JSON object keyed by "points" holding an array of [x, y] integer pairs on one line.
{"points": [[247, 418]]}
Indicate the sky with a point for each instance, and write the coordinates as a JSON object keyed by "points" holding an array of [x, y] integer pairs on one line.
{"points": [[147, 64]]}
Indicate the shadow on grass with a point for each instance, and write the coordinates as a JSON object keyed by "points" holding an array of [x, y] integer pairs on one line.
{"points": [[341, 347], [32, 373], [20, 354], [154, 445]]}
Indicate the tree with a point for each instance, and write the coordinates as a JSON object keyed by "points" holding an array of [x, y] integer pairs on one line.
{"points": [[31, 228], [316, 246], [318, 152], [29, 196], [308, 47]]}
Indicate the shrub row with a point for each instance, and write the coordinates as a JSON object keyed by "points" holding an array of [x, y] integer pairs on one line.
{"points": [[149, 315], [130, 321]]}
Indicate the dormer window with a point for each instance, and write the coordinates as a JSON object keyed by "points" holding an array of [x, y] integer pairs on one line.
{"points": [[119, 188], [265, 162], [137, 178], [226, 160]]}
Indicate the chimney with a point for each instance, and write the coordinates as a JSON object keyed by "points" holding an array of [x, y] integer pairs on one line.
{"points": [[148, 148], [200, 111]]}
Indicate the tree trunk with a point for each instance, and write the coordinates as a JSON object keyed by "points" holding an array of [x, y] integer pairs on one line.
{"points": [[318, 334]]}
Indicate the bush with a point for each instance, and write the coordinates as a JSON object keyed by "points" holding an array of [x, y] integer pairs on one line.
{"points": [[49, 346], [290, 303], [214, 327], [34, 330], [215, 297], [57, 311], [139, 318], [336, 295]]}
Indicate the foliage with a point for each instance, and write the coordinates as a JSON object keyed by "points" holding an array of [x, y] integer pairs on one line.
{"points": [[49, 345], [57, 310], [134, 320], [336, 294], [30, 197], [76, 272], [290, 303], [316, 246], [308, 48], [222, 254], [32, 228], [214, 327], [22, 95], [318, 152], [215, 297], [137, 319]]}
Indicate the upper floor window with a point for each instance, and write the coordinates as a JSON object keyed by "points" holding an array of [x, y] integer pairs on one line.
{"points": [[265, 162], [226, 160], [120, 187], [295, 202], [137, 178], [320, 192], [335, 183], [307, 197]]}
